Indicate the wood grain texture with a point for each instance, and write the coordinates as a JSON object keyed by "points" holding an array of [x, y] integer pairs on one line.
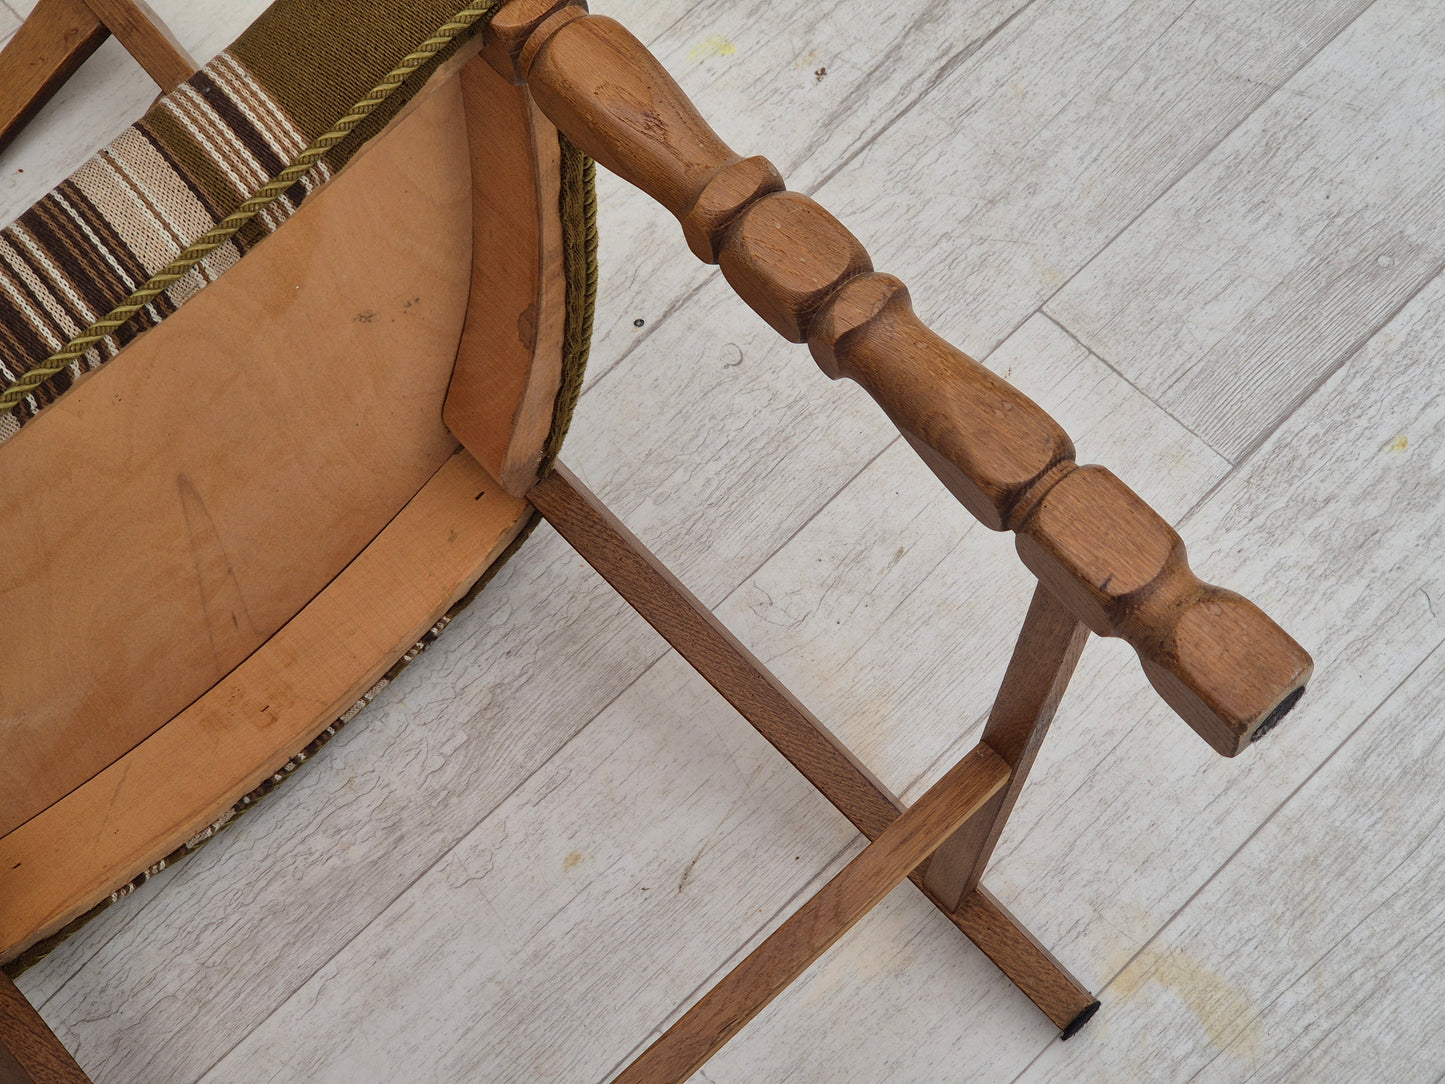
{"points": [[1044, 657], [100, 529], [813, 928], [1030, 966], [1310, 225], [485, 702], [1350, 429], [56, 39], [598, 83], [696, 634], [678, 829], [508, 369], [786, 256], [29, 1052], [147, 38]]}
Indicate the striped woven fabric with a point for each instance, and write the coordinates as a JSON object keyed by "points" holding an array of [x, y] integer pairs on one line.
{"points": [[193, 159], [132, 208]]}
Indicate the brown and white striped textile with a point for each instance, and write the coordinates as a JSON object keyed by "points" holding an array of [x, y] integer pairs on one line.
{"points": [[130, 210]]}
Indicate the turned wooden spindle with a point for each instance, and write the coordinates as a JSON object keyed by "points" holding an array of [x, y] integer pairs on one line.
{"points": [[1215, 658]]}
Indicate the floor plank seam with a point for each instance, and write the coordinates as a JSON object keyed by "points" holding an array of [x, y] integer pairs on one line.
{"points": [[1204, 155], [1426, 280], [1115, 370], [758, 934], [954, 62], [673, 306], [1260, 1010], [382, 910], [1314, 390], [560, 749]]}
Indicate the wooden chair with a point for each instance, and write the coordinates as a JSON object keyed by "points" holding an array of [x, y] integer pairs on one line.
{"points": [[1104, 560]]}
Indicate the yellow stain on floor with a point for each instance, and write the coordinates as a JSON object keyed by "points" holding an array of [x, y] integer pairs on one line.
{"points": [[1223, 1009], [572, 861], [1398, 445], [709, 47]]}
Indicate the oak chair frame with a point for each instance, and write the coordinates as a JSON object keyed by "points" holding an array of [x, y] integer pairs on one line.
{"points": [[1104, 560]]}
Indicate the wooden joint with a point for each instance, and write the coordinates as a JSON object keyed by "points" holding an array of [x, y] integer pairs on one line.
{"points": [[727, 193], [785, 255], [148, 39], [523, 26], [809, 932], [29, 1051]]}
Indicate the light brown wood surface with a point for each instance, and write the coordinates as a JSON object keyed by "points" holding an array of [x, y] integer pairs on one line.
{"points": [[60, 35], [509, 362], [152, 514], [53, 41], [148, 39], [181, 778], [808, 933]]}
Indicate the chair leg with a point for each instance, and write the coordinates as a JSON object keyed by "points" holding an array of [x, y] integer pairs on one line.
{"points": [[815, 926], [55, 39], [1048, 649], [147, 39], [58, 36], [1032, 968], [29, 1051]]}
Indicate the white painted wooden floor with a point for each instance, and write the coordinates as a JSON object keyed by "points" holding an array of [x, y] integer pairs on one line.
{"points": [[1208, 237]]}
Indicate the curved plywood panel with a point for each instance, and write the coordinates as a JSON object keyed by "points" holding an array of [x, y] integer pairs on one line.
{"points": [[178, 506], [182, 778]]}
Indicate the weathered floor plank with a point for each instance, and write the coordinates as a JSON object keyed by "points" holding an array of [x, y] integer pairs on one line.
{"points": [[800, 81], [1313, 954], [1053, 137], [1250, 281]]}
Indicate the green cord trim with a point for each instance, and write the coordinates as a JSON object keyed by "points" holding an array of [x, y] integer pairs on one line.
{"points": [[264, 197]]}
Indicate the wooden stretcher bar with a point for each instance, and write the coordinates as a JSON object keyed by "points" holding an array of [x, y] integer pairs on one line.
{"points": [[699, 637], [58, 36], [29, 1052]]}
